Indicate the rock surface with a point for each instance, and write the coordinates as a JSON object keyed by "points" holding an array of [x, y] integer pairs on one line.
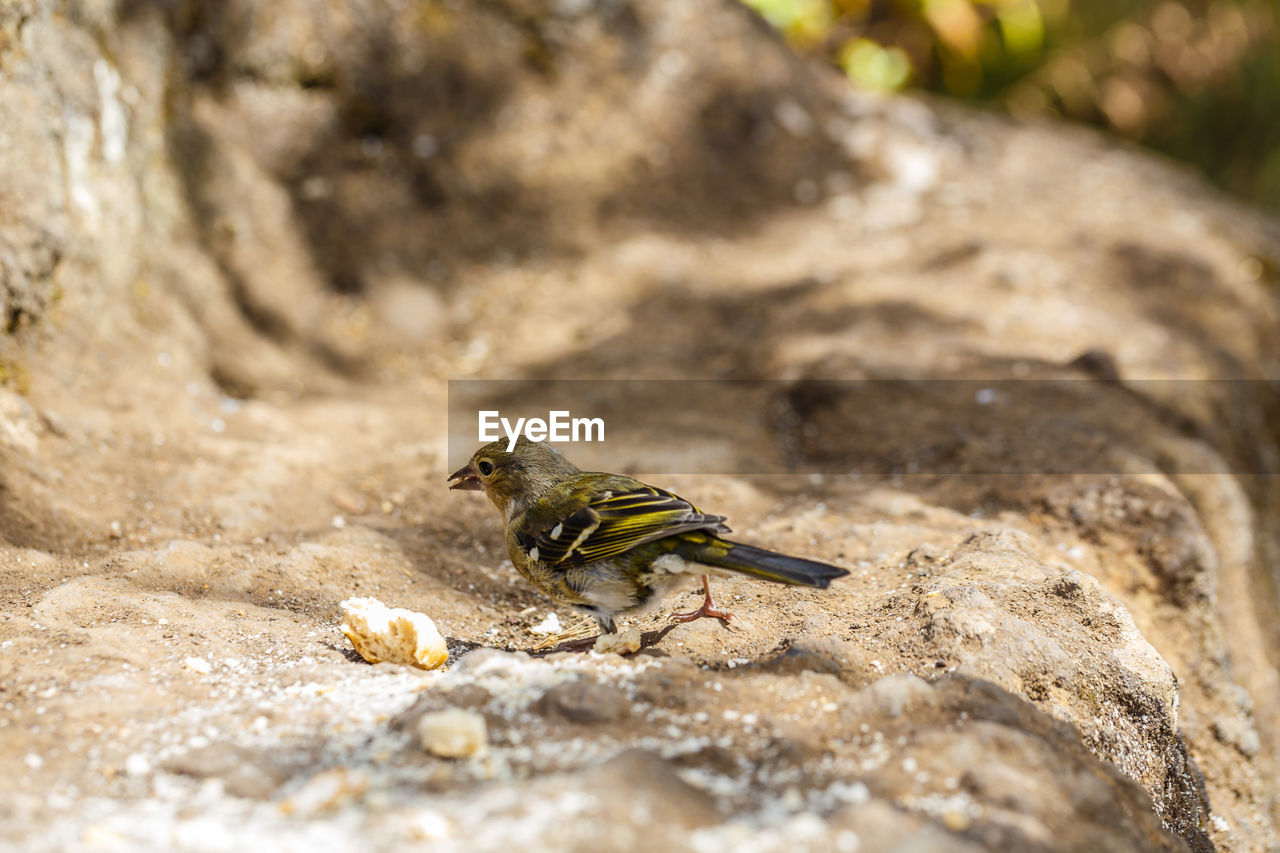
{"points": [[242, 247]]}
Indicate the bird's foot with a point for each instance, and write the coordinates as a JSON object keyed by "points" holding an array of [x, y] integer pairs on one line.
{"points": [[708, 607]]}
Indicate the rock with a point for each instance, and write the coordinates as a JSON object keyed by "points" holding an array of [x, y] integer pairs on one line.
{"points": [[243, 245], [20, 427], [471, 696], [243, 772], [827, 655], [879, 826], [584, 702], [484, 660], [326, 792], [638, 778], [891, 696], [1002, 615]]}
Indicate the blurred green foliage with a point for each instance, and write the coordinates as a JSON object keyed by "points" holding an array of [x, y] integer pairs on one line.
{"points": [[1196, 79]]}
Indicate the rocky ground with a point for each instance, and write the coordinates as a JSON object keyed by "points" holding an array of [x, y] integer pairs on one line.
{"points": [[244, 246]]}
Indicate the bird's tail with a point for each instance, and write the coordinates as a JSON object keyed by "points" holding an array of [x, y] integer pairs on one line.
{"points": [[765, 565]]}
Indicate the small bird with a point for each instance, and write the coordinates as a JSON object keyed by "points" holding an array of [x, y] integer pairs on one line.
{"points": [[608, 544]]}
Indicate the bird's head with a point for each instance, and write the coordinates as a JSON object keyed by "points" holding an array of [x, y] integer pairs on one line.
{"points": [[512, 479]]}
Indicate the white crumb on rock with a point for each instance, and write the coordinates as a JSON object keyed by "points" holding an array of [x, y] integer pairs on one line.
{"points": [[199, 665], [453, 733], [548, 626]]}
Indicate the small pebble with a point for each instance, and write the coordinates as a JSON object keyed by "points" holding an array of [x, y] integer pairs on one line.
{"points": [[137, 765], [453, 733]]}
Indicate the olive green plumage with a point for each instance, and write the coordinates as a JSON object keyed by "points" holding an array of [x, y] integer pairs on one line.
{"points": [[609, 544]]}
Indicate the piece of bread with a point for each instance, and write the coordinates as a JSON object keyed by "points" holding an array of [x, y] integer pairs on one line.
{"points": [[392, 634], [625, 643]]}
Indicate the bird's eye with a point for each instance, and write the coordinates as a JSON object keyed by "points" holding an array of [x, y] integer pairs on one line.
{"points": [[485, 466]]}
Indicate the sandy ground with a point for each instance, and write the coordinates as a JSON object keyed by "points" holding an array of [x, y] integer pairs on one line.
{"points": [[225, 409]]}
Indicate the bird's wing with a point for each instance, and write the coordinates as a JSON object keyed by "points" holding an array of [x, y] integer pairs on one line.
{"points": [[613, 522]]}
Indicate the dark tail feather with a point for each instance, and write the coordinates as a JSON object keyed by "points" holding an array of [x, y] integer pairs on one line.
{"points": [[767, 565]]}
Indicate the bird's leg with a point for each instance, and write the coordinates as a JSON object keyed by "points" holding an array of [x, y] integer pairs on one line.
{"points": [[708, 607]]}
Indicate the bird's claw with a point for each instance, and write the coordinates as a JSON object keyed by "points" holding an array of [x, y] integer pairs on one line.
{"points": [[704, 611], [708, 607]]}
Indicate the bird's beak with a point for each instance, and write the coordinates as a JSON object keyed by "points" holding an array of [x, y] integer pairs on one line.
{"points": [[467, 480]]}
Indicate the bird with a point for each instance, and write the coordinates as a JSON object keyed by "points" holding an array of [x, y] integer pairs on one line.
{"points": [[608, 544]]}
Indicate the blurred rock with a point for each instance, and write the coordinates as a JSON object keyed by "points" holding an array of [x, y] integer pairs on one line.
{"points": [[584, 702], [242, 772]]}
